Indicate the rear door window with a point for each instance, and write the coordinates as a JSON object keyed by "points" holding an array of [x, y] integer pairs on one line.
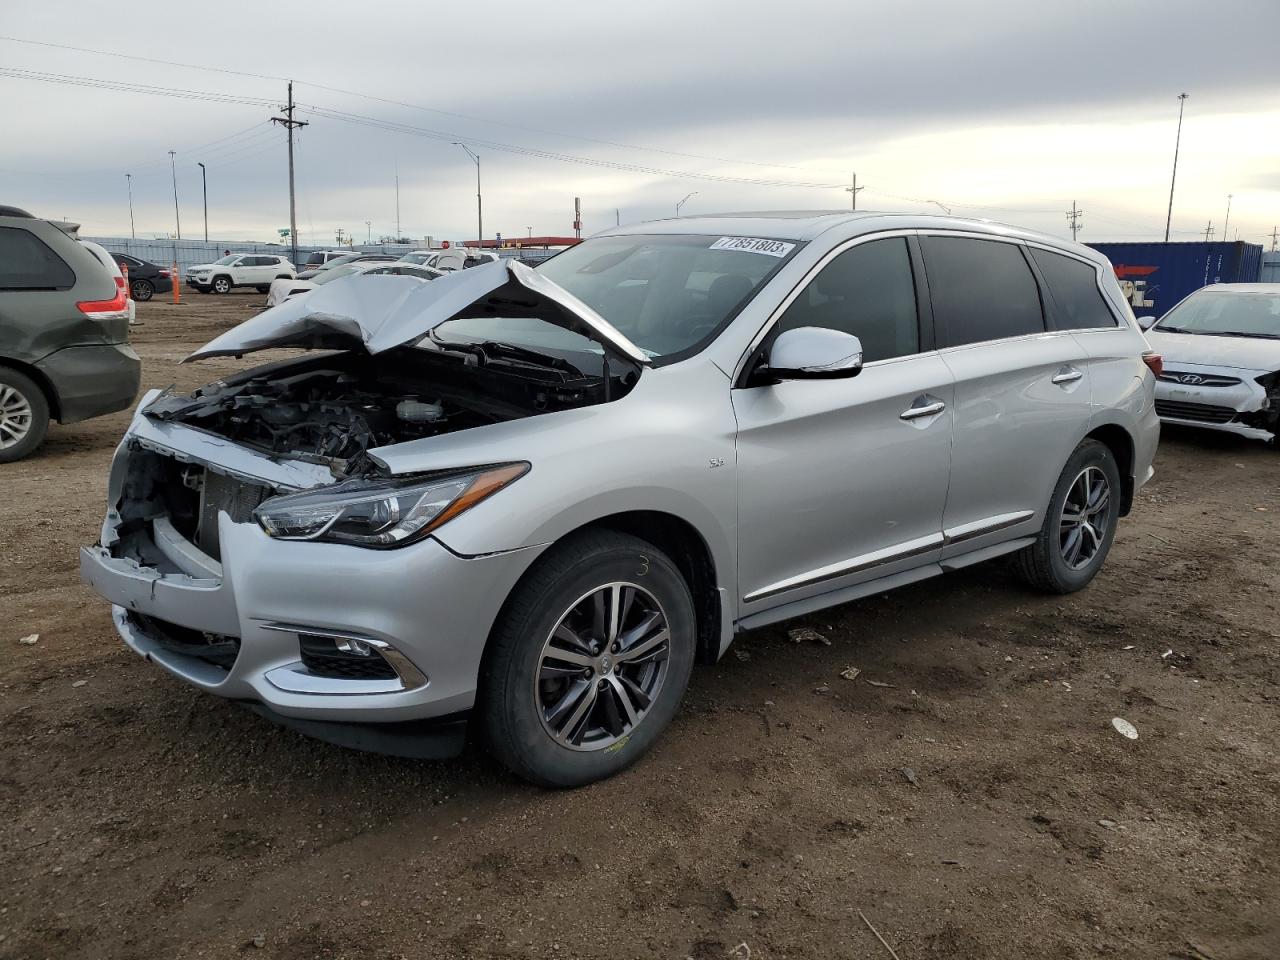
{"points": [[1073, 287], [868, 291], [981, 290], [27, 263]]}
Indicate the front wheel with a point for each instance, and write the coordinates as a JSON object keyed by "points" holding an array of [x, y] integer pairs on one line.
{"points": [[221, 285], [589, 660], [1080, 524]]}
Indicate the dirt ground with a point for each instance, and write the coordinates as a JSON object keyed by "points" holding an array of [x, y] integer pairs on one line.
{"points": [[966, 792]]}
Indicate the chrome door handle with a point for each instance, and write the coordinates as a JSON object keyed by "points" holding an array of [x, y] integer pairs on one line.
{"points": [[928, 410], [1068, 376]]}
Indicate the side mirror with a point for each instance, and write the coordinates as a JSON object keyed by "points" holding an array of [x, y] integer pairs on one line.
{"points": [[1146, 323], [814, 353]]}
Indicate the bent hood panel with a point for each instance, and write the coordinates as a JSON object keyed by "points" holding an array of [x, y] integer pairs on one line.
{"points": [[384, 312], [1241, 353]]}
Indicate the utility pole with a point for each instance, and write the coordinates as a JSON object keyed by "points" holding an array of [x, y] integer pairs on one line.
{"points": [[1208, 232], [368, 231], [1226, 235], [174, 170], [1182, 101], [853, 192], [479, 207], [204, 186], [684, 201], [617, 217], [289, 124], [398, 202], [1073, 218], [128, 178], [1275, 236], [577, 217]]}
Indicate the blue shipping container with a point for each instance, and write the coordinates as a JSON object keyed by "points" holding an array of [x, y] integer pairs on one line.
{"points": [[1155, 276]]}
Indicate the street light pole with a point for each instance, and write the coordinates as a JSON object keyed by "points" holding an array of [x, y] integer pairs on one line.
{"points": [[174, 170], [368, 232], [684, 201], [1225, 235], [479, 207], [204, 186], [128, 178], [1182, 100]]}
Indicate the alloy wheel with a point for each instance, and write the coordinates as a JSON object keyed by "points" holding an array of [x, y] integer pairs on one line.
{"points": [[1085, 511], [602, 667], [15, 416]]}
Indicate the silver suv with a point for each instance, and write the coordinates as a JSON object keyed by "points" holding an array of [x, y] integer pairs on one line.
{"points": [[535, 498]]}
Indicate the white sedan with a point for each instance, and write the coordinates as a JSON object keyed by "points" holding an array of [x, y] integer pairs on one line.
{"points": [[284, 288], [1221, 349]]}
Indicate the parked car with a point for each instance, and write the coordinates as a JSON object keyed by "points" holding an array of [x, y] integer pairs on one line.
{"points": [[64, 332], [239, 270], [453, 258], [321, 257], [1221, 349], [282, 290], [344, 260], [541, 495], [146, 279]]}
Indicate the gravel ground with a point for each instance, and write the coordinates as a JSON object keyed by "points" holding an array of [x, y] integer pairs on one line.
{"points": [[966, 792]]}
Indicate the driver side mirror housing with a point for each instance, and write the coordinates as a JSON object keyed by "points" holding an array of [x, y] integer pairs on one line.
{"points": [[812, 353], [1146, 323]]}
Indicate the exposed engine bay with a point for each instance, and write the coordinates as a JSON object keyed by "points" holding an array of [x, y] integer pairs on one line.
{"points": [[332, 408]]}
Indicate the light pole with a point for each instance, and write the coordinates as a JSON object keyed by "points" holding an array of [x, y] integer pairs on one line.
{"points": [[176, 218], [1182, 100], [530, 229], [479, 207], [1225, 235], [941, 206], [128, 179], [204, 187], [684, 201], [368, 231]]}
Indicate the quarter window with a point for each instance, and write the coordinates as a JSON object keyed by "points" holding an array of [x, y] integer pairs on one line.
{"points": [[26, 263], [868, 291], [1073, 285], [981, 290]]}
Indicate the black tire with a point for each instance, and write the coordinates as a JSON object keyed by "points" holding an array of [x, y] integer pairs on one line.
{"points": [[1044, 564], [261, 289], [204, 290], [141, 290], [221, 285], [511, 690], [14, 384]]}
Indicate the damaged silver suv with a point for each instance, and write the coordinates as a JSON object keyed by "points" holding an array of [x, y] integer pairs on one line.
{"points": [[530, 500]]}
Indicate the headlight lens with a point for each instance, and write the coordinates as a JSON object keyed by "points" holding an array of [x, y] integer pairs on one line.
{"points": [[381, 514]]}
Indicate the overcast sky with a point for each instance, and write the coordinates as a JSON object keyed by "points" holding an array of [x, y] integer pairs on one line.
{"points": [[1007, 110]]}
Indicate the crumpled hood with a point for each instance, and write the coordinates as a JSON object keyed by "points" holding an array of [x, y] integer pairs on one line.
{"points": [[1242, 353], [384, 312]]}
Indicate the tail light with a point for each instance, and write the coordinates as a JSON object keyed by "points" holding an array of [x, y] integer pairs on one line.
{"points": [[1154, 362], [164, 272], [115, 308]]}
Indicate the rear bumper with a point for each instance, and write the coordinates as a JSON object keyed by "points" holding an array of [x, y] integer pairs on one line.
{"points": [[92, 380]]}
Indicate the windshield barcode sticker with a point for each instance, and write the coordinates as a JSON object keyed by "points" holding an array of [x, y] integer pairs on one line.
{"points": [[770, 248]]}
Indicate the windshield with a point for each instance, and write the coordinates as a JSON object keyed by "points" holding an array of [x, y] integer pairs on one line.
{"points": [[1225, 314], [669, 295], [231, 259], [338, 261], [336, 273]]}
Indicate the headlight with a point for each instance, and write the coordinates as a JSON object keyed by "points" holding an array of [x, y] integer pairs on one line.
{"points": [[383, 513]]}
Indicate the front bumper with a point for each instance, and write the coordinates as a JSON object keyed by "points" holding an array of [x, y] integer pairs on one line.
{"points": [[1242, 407], [93, 379], [432, 607]]}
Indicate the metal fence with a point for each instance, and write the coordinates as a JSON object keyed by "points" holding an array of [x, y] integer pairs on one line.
{"points": [[1270, 268], [188, 253]]}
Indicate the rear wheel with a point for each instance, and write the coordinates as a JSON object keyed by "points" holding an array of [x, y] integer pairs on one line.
{"points": [[1080, 524], [24, 415], [261, 289], [221, 284], [589, 660], [141, 290]]}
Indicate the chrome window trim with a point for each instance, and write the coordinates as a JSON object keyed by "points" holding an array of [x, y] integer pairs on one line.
{"points": [[802, 284]]}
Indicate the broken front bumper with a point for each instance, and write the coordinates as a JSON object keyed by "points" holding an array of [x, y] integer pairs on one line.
{"points": [[1216, 398], [247, 625]]}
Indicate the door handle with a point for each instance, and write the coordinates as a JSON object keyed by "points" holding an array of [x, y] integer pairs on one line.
{"points": [[927, 410], [1067, 376]]}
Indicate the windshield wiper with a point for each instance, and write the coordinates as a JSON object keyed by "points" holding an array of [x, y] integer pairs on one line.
{"points": [[496, 349], [1251, 336]]}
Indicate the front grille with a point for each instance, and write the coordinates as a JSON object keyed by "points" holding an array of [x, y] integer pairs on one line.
{"points": [[1189, 379], [214, 648], [1204, 412], [322, 658]]}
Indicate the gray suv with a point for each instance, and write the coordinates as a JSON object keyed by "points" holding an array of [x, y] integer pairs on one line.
{"points": [[64, 330], [535, 497]]}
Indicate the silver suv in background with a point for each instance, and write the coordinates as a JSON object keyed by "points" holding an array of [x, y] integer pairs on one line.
{"points": [[64, 332], [535, 498]]}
